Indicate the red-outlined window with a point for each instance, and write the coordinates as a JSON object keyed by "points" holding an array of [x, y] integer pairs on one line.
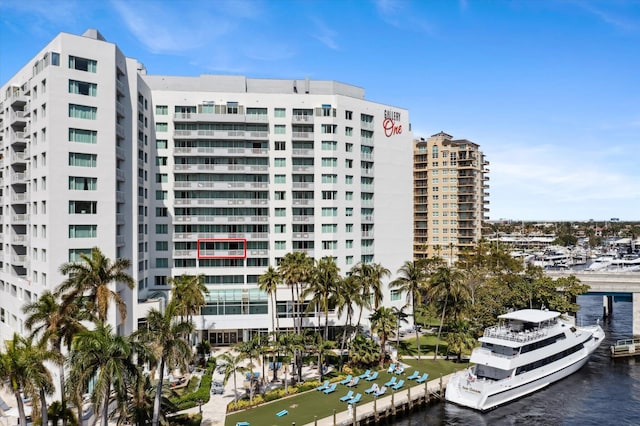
{"points": [[222, 248]]}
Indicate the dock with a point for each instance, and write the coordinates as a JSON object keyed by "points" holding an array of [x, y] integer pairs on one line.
{"points": [[625, 348], [391, 405]]}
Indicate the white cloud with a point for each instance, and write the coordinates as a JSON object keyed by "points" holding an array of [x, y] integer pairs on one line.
{"points": [[325, 34]]}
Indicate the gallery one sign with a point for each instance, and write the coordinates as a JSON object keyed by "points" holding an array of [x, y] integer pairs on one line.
{"points": [[391, 123]]}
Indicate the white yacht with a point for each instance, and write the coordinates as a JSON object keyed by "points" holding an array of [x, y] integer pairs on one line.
{"points": [[528, 350]]}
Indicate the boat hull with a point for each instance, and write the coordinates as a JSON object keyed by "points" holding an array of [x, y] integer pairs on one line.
{"points": [[484, 395]]}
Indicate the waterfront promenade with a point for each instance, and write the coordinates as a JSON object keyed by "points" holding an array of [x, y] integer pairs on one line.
{"points": [[385, 405]]}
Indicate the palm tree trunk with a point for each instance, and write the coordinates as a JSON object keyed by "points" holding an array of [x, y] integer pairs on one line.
{"points": [[413, 306], [444, 308], [105, 406], [20, 403], [43, 408], [63, 397], [156, 401]]}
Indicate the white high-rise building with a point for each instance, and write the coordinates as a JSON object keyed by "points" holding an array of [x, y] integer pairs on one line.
{"points": [[213, 175]]}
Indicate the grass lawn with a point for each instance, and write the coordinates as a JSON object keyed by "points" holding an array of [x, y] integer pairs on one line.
{"points": [[303, 407]]}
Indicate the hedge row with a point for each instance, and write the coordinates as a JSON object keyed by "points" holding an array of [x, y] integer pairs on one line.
{"points": [[202, 394]]}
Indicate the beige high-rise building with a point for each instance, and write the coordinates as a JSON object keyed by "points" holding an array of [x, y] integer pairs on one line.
{"points": [[450, 196]]}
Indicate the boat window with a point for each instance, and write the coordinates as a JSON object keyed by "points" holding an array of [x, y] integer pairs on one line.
{"points": [[548, 360], [542, 343]]}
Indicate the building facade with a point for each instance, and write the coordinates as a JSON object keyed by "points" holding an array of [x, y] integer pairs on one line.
{"points": [[450, 196], [213, 175]]}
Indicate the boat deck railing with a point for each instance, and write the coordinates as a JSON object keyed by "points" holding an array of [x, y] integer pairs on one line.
{"points": [[506, 333]]}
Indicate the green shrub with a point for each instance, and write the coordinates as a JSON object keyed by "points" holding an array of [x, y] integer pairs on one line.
{"points": [[305, 386], [203, 393]]}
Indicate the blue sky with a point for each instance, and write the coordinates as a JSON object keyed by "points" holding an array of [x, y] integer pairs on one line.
{"points": [[550, 89]]}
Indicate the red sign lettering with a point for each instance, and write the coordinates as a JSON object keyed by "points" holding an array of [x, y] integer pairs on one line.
{"points": [[391, 128]]}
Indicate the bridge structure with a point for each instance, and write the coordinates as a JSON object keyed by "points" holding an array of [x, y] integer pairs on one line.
{"points": [[610, 284]]}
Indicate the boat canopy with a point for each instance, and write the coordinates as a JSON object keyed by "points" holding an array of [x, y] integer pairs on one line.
{"points": [[530, 315]]}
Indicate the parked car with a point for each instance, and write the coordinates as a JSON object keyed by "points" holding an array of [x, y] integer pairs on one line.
{"points": [[217, 387]]}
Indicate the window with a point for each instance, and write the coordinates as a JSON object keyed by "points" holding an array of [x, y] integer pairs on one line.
{"points": [[162, 245], [162, 262], [329, 145], [280, 129], [162, 177], [83, 231], [280, 145], [74, 254], [348, 147], [329, 178], [83, 111], [329, 195], [280, 179], [83, 88], [280, 245], [55, 59], [348, 163], [395, 295], [162, 212], [280, 229], [366, 118], [330, 228], [349, 227], [329, 162], [83, 207], [348, 115], [161, 143], [280, 212], [348, 196], [328, 128], [79, 183], [349, 211], [329, 211], [348, 179], [83, 136], [82, 64], [162, 110], [279, 195], [161, 161], [349, 260], [279, 162], [162, 127], [82, 160], [162, 229], [348, 131], [161, 195], [280, 112], [329, 245]]}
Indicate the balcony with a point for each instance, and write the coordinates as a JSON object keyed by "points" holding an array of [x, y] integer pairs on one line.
{"points": [[19, 157], [19, 239], [298, 119], [17, 97], [19, 178], [367, 172], [19, 259], [191, 117], [20, 198], [302, 218], [366, 234], [20, 137], [120, 87], [303, 202], [303, 235], [257, 118], [120, 198], [120, 240], [302, 153], [18, 117], [302, 136], [120, 131], [120, 109], [365, 125], [208, 151], [20, 219]]}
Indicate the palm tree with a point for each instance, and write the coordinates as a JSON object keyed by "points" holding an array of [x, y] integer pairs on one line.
{"points": [[401, 317], [138, 407], [251, 349], [231, 364], [188, 292], [460, 338], [94, 274], [383, 323], [347, 296], [411, 280], [322, 288], [23, 370], [359, 275], [295, 269], [163, 333], [443, 284], [377, 273], [107, 359], [288, 344], [363, 351], [57, 324], [268, 282]]}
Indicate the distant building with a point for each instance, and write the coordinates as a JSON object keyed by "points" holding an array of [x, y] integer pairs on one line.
{"points": [[450, 196], [213, 175]]}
